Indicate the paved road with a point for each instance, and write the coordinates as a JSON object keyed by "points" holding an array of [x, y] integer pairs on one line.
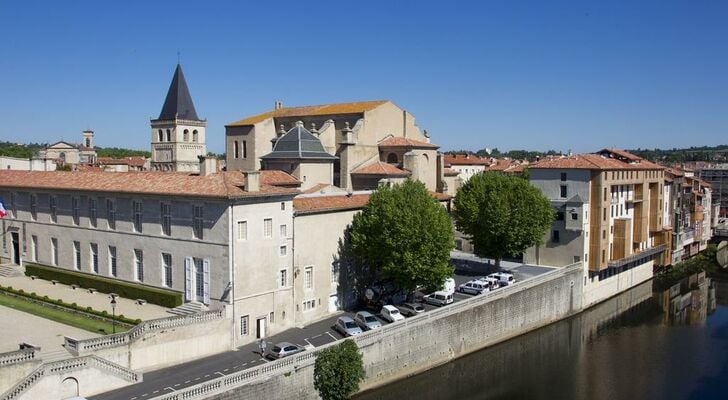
{"points": [[317, 334]]}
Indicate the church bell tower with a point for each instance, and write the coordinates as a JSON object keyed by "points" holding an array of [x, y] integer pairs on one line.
{"points": [[178, 135]]}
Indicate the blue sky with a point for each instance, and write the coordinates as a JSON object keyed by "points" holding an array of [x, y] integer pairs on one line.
{"points": [[533, 75]]}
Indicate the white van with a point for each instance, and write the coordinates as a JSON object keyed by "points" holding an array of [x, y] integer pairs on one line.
{"points": [[440, 298], [504, 278], [448, 286]]}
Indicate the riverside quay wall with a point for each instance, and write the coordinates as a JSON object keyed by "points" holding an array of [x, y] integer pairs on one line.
{"points": [[416, 344]]}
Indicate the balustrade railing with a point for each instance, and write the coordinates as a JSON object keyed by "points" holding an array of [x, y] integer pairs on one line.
{"points": [[17, 356]]}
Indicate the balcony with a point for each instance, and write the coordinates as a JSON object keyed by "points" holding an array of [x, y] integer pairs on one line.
{"points": [[643, 255]]}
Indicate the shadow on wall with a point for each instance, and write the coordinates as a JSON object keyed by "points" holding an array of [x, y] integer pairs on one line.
{"points": [[353, 274]]}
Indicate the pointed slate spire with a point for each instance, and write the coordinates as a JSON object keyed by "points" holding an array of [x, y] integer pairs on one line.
{"points": [[178, 103]]}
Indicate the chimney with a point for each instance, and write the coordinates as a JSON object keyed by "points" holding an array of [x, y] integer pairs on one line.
{"points": [[208, 165], [278, 105], [252, 181]]}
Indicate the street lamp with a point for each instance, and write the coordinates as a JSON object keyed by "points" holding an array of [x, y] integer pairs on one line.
{"points": [[113, 314]]}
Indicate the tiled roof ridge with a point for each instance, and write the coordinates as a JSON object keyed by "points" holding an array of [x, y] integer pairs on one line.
{"points": [[297, 111]]}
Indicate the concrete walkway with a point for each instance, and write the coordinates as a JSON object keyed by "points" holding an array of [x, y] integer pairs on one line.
{"points": [[20, 327], [98, 301]]}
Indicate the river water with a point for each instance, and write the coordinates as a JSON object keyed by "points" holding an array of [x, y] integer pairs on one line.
{"points": [[630, 347]]}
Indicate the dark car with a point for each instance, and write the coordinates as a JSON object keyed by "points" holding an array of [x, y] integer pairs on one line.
{"points": [[283, 349], [410, 309]]}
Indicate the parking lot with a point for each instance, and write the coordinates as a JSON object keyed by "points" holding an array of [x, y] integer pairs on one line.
{"points": [[314, 335]]}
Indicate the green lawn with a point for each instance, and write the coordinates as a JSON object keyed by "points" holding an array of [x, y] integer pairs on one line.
{"points": [[64, 317]]}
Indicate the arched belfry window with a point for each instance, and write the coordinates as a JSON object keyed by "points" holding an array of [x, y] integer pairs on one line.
{"points": [[161, 136], [194, 136], [236, 150], [186, 135], [169, 135]]}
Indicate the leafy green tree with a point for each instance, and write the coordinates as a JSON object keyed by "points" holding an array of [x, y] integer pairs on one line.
{"points": [[405, 235], [338, 371], [503, 215]]}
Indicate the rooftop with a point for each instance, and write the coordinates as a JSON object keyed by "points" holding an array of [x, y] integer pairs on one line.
{"points": [[178, 103], [465, 159], [381, 169], [341, 202], [228, 184], [306, 111], [298, 143], [619, 159]]}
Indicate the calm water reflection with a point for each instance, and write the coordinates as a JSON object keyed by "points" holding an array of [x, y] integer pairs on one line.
{"points": [[626, 348]]}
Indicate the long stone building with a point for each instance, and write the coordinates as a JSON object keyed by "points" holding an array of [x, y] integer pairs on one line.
{"points": [[264, 239]]}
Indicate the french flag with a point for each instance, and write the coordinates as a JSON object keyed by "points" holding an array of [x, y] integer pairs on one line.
{"points": [[3, 211]]}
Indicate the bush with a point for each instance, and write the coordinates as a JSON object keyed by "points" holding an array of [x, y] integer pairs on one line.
{"points": [[164, 298]]}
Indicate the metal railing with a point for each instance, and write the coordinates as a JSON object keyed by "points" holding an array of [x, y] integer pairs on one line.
{"points": [[637, 256], [123, 338], [365, 339], [69, 365]]}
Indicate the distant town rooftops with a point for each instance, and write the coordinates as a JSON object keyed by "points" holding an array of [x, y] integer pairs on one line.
{"points": [[304, 111], [228, 184], [465, 159]]}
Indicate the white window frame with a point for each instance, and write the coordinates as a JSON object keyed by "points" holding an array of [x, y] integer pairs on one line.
{"points": [[137, 216], [266, 232], [165, 209], [308, 277], [283, 250], [111, 214], [76, 255], [245, 325], [54, 251], [283, 229], [139, 265], [113, 261], [283, 277], [34, 247], [244, 225], [92, 212], [76, 210], [167, 278], [198, 221], [94, 257]]}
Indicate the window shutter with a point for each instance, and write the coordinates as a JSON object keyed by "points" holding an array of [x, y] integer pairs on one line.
{"points": [[206, 281], [188, 279]]}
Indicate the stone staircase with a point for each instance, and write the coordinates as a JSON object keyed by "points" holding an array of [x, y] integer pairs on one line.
{"points": [[9, 270], [51, 356], [188, 309]]}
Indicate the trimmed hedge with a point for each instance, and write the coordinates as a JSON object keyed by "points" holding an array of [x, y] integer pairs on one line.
{"points": [[164, 298], [73, 306]]}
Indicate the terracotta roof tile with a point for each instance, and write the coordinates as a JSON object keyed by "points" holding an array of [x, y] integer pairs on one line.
{"points": [[592, 161], [380, 168], [318, 204], [450, 172], [324, 109], [406, 142], [220, 185]]}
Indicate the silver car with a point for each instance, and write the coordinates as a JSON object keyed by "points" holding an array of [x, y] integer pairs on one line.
{"points": [[346, 326], [367, 321], [283, 349]]}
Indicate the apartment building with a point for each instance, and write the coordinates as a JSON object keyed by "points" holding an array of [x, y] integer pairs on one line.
{"points": [[608, 215], [717, 176], [691, 213], [466, 165]]}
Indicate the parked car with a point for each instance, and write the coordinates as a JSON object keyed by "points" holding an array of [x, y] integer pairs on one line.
{"points": [[475, 286], [493, 283], [283, 349], [391, 314], [366, 320], [504, 278], [438, 298], [346, 326], [411, 309]]}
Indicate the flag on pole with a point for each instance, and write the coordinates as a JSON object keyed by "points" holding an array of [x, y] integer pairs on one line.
{"points": [[3, 211]]}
